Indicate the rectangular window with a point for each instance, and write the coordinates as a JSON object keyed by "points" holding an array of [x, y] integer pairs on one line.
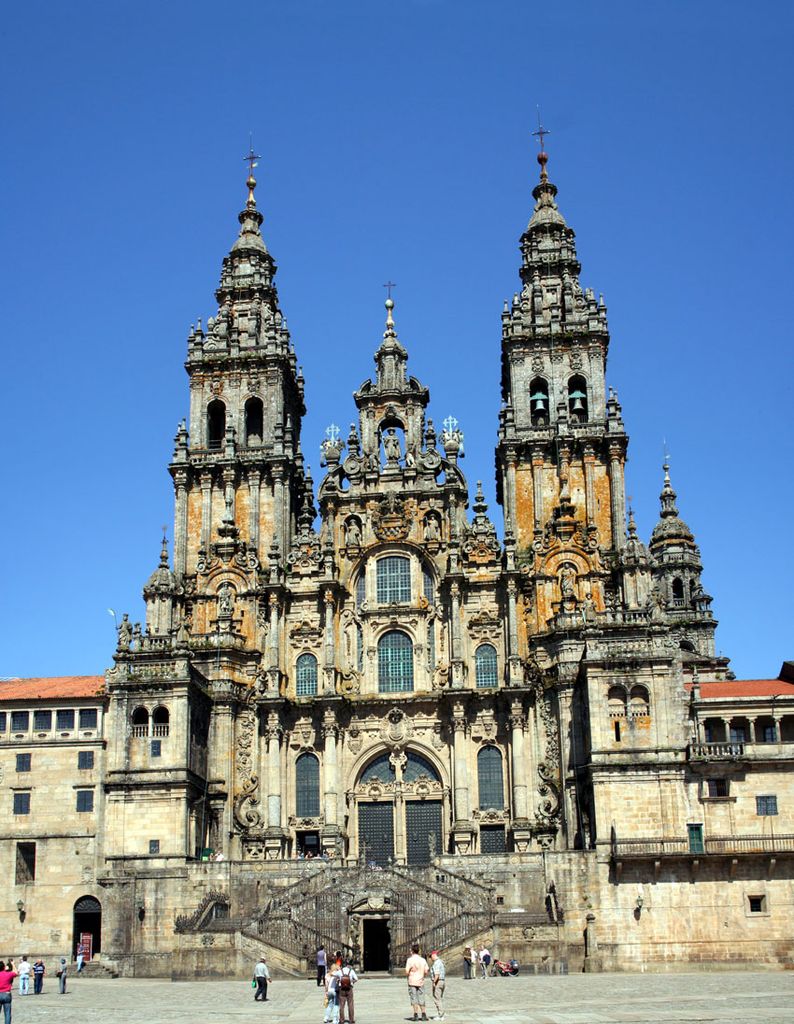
{"points": [[768, 734], [26, 863], [157, 748], [695, 833], [20, 721], [757, 904], [64, 719], [88, 718], [738, 734], [766, 805], [85, 759], [492, 839], [2, 721], [42, 721], [394, 579], [85, 800], [21, 803], [154, 846], [716, 788], [23, 762]]}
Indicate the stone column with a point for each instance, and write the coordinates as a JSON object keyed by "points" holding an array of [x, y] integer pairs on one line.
{"points": [[330, 773], [617, 494], [206, 510], [329, 654], [462, 828], [180, 523], [254, 484], [520, 795], [537, 488], [589, 484], [273, 737]]}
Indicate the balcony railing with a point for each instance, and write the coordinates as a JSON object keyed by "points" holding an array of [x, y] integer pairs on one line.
{"points": [[716, 751], [713, 846]]}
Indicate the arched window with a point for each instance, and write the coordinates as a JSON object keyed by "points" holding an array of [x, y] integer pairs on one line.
{"points": [[394, 579], [678, 591], [361, 589], [616, 699], [489, 779], [160, 720], [140, 722], [382, 770], [395, 663], [307, 786], [577, 399], [359, 647], [639, 702], [539, 402], [379, 770], [254, 421], [485, 668], [216, 423], [306, 676], [431, 646], [416, 766]]}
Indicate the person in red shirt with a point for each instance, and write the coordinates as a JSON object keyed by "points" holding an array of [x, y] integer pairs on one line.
{"points": [[7, 975]]}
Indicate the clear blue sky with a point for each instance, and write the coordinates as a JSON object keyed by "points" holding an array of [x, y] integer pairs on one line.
{"points": [[395, 143]]}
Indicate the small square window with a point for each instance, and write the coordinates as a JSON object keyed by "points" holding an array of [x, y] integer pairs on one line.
{"points": [[21, 803], [766, 805], [85, 759], [716, 788], [154, 846], [64, 720], [20, 721], [757, 904], [42, 721], [85, 800], [23, 762], [88, 718], [157, 748], [500, 901]]}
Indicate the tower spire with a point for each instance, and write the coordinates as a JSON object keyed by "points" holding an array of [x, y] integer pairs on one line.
{"points": [[251, 158], [668, 495]]}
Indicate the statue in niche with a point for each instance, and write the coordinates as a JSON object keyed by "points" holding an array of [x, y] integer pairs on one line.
{"points": [[410, 459], [353, 534], [432, 532], [568, 583], [225, 600], [391, 446]]}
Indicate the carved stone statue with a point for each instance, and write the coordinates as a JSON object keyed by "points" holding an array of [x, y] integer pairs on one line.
{"points": [[432, 532], [353, 533], [568, 583], [391, 446], [225, 600], [125, 633]]}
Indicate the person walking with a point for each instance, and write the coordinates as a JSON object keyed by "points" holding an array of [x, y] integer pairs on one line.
{"points": [[417, 969], [475, 960], [261, 977], [7, 975], [485, 960], [24, 976], [38, 977], [346, 979], [322, 965], [80, 959], [331, 1015], [438, 982], [61, 974]]}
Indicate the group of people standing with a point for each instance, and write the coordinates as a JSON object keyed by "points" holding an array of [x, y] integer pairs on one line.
{"points": [[337, 978], [9, 973], [475, 962]]}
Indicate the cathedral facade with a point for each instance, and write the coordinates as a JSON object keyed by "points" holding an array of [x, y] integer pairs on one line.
{"points": [[530, 738]]}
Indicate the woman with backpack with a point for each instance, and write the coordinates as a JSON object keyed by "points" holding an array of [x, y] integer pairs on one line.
{"points": [[346, 979]]}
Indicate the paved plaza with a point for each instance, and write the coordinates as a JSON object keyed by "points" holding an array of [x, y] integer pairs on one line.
{"points": [[705, 998]]}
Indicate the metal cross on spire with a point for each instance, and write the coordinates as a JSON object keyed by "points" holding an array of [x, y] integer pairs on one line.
{"points": [[251, 157], [388, 286], [541, 131]]}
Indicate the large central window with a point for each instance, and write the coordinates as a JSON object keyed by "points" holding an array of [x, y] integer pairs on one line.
{"points": [[394, 580], [395, 663]]}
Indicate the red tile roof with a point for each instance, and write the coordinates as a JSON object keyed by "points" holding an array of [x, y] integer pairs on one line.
{"points": [[728, 689], [53, 688]]}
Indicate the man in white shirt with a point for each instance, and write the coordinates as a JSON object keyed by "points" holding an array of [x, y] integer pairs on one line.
{"points": [[438, 981], [261, 977], [23, 970]]}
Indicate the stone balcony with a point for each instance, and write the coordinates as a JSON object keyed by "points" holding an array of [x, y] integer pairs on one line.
{"points": [[740, 751], [698, 849]]}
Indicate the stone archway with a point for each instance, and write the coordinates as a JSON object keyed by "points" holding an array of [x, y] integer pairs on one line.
{"points": [[370, 929], [87, 921]]}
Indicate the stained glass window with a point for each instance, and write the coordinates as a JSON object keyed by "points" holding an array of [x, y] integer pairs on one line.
{"points": [[379, 770], [394, 579], [395, 663], [307, 786], [306, 676], [485, 666], [489, 779], [417, 765], [361, 589]]}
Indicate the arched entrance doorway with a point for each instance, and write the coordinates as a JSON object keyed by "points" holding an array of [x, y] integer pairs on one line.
{"points": [[370, 931], [87, 926], [400, 810]]}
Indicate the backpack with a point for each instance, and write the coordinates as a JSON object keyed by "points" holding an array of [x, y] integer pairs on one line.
{"points": [[345, 983]]}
